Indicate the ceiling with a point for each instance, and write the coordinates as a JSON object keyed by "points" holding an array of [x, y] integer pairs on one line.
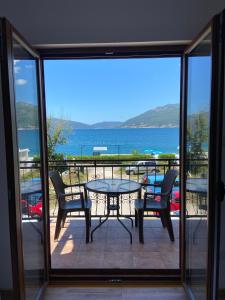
{"points": [[104, 21]]}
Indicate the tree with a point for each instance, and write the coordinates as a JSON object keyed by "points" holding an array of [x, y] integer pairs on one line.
{"points": [[55, 136], [197, 137]]}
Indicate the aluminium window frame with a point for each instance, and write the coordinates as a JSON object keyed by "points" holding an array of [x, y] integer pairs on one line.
{"points": [[117, 52]]}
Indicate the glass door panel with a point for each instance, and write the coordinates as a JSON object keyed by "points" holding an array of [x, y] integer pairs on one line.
{"points": [[26, 173], [221, 256], [199, 62], [31, 187]]}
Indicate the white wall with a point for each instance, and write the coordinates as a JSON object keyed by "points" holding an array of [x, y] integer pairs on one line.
{"points": [[99, 21], [5, 252]]}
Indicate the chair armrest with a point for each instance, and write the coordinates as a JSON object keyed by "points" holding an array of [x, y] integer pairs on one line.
{"points": [[156, 194], [61, 195], [151, 184], [74, 185], [152, 194]]}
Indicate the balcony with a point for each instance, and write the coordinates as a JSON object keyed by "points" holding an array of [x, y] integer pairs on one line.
{"points": [[111, 248]]}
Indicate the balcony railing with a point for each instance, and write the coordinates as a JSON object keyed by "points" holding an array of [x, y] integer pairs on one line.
{"points": [[81, 171]]}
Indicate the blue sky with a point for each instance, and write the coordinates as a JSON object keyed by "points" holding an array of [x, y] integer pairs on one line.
{"points": [[199, 87], [91, 91], [25, 81]]}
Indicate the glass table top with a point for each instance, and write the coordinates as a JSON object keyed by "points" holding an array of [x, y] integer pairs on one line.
{"points": [[198, 185], [30, 187], [121, 186]]}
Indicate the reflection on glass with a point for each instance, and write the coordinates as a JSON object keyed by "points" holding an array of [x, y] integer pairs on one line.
{"points": [[25, 83], [198, 108]]}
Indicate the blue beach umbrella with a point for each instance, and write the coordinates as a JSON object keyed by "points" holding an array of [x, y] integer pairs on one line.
{"points": [[148, 151], [158, 152], [151, 151]]}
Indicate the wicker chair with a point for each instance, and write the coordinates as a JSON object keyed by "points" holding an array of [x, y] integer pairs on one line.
{"points": [[81, 203], [160, 205]]}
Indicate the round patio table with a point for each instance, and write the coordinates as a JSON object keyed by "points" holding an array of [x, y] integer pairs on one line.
{"points": [[30, 187], [199, 188], [113, 188], [198, 185]]}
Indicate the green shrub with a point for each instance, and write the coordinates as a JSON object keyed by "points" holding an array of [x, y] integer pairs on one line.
{"points": [[135, 152], [167, 155], [110, 157], [170, 156]]}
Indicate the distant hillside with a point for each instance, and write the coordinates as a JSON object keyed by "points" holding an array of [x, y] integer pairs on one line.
{"points": [[162, 116], [79, 125], [70, 124], [27, 115], [105, 125]]}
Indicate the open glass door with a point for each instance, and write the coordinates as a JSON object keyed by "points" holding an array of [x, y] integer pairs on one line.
{"points": [[26, 172], [221, 217], [201, 151]]}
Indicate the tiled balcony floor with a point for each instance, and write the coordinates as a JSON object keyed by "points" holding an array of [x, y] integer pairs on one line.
{"points": [[111, 247]]}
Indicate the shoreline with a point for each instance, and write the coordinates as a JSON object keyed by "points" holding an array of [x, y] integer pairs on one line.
{"points": [[150, 127], [34, 128]]}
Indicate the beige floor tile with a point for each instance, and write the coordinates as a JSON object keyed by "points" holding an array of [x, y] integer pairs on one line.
{"points": [[112, 243], [90, 260], [118, 260]]}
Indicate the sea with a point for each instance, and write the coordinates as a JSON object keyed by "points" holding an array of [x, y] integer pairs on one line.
{"points": [[113, 141]]}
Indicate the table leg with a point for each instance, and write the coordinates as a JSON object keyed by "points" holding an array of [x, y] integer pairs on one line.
{"points": [[98, 226], [125, 227], [132, 222], [113, 208], [118, 218], [100, 219]]}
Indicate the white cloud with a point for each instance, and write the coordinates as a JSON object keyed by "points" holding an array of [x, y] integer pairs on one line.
{"points": [[16, 61], [17, 69], [21, 81]]}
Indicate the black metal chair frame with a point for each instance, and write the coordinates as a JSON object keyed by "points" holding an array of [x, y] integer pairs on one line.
{"points": [[163, 211], [64, 208]]}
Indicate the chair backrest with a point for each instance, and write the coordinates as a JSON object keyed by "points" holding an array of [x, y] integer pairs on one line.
{"points": [[60, 186], [166, 188], [168, 181], [57, 182]]}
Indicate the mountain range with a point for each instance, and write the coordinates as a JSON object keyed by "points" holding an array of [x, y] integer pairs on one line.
{"points": [[159, 117], [26, 115], [162, 116]]}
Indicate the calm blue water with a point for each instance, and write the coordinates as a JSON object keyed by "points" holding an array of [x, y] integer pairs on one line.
{"points": [[125, 140]]}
